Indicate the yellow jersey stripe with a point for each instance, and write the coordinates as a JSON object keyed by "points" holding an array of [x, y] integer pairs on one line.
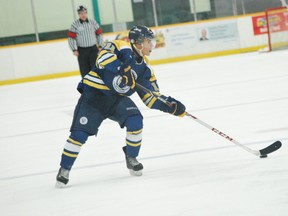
{"points": [[134, 132], [150, 104], [146, 96], [107, 61], [74, 142], [92, 73], [103, 52], [95, 85], [105, 57], [70, 155], [133, 144]]}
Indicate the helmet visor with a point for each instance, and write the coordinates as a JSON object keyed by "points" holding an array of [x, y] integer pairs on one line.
{"points": [[153, 41]]}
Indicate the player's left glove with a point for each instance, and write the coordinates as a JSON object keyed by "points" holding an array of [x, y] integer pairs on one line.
{"points": [[176, 107], [127, 75]]}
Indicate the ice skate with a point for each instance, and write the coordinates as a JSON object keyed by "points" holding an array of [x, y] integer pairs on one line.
{"points": [[62, 178], [135, 168]]}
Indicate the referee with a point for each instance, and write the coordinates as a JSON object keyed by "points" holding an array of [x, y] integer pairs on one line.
{"points": [[85, 39]]}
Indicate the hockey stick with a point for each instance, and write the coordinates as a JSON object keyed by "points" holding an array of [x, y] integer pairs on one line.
{"points": [[262, 153]]}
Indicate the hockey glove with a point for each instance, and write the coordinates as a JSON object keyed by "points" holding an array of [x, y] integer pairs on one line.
{"points": [[176, 107], [127, 75]]}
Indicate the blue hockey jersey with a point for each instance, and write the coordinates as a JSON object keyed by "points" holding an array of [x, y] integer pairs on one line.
{"points": [[106, 77]]}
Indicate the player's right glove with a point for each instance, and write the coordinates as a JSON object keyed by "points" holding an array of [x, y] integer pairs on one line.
{"points": [[175, 108], [127, 75]]}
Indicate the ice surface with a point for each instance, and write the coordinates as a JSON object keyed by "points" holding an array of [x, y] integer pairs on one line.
{"points": [[188, 169]]}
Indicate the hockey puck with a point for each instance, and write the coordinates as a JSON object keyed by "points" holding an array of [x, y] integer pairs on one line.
{"points": [[263, 156]]}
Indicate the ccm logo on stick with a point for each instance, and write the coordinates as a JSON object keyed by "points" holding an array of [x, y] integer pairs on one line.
{"points": [[221, 134]]}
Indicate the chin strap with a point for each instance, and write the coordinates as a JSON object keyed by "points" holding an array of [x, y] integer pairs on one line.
{"points": [[139, 51]]}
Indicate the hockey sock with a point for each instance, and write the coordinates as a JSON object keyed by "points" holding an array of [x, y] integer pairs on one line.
{"points": [[72, 148], [133, 135]]}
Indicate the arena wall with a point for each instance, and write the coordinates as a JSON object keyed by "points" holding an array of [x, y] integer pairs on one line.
{"points": [[51, 59]]}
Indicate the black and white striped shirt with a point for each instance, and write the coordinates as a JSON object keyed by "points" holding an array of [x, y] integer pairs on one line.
{"points": [[84, 34]]}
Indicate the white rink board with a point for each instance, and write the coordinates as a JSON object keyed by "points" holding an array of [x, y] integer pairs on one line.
{"points": [[180, 41]]}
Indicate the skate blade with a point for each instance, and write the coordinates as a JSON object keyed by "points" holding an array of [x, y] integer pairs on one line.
{"points": [[135, 173], [60, 185]]}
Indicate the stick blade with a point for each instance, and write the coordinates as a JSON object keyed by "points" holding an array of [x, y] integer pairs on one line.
{"points": [[271, 148]]}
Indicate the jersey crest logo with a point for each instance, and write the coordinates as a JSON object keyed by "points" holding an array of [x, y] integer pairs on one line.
{"points": [[83, 120]]}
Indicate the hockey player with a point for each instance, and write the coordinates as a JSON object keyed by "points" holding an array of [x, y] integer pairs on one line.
{"points": [[105, 94]]}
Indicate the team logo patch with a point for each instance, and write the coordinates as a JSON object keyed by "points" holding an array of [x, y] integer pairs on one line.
{"points": [[83, 120]]}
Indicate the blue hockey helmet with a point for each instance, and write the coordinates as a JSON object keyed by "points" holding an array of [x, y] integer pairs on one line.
{"points": [[138, 34]]}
